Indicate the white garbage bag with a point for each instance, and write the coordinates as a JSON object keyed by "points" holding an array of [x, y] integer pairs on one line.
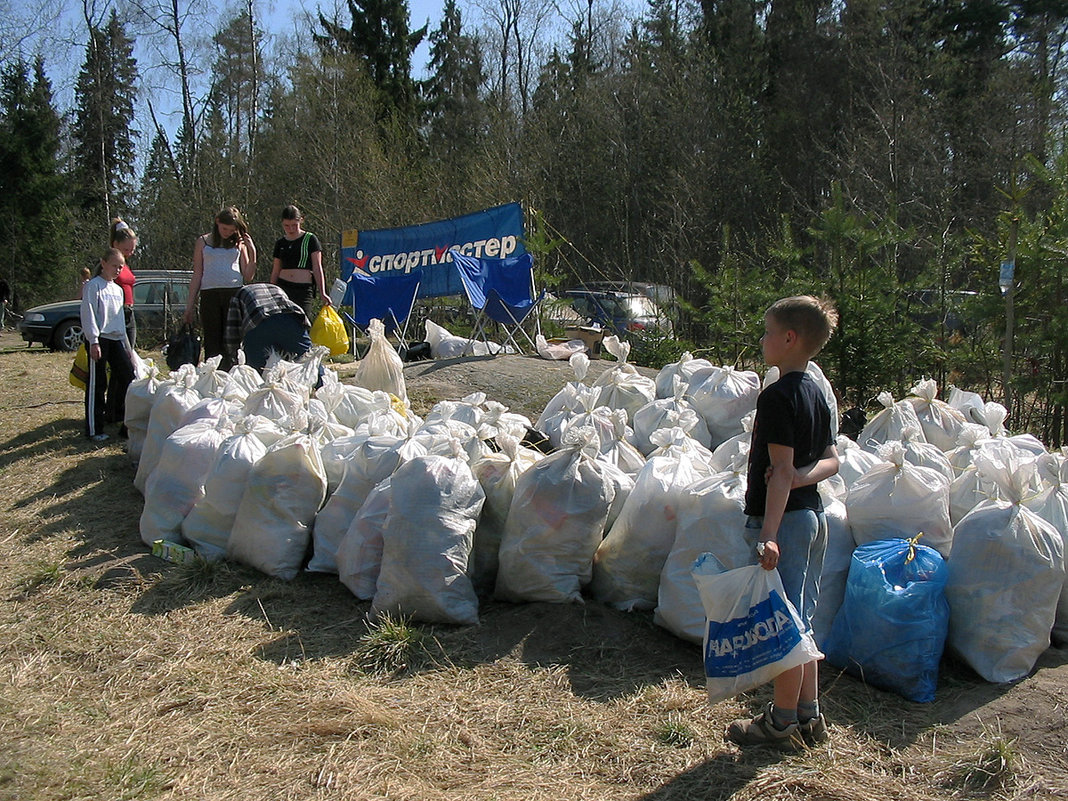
{"points": [[627, 563], [711, 520], [170, 404], [381, 368], [1052, 506], [1005, 577], [177, 483], [941, 423], [498, 473], [681, 371], [359, 556], [207, 527], [426, 542], [897, 499], [673, 411], [555, 523], [140, 396], [723, 396], [623, 387], [372, 460], [563, 404], [284, 491], [890, 424]]}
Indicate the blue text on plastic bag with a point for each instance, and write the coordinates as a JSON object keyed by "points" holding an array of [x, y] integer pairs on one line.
{"points": [[744, 644]]}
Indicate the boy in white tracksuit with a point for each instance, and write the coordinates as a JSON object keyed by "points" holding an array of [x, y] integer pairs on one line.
{"points": [[104, 329]]}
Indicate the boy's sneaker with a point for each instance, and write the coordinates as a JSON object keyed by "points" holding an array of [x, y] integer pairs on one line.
{"points": [[814, 730], [761, 731], [99, 438]]}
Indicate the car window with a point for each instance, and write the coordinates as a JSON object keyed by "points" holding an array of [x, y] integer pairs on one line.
{"points": [[179, 293], [142, 292]]}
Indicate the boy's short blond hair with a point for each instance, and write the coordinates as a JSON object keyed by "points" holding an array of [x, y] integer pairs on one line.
{"points": [[814, 319]]}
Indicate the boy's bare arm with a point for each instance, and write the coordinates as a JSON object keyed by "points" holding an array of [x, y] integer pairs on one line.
{"points": [[779, 484], [824, 467]]}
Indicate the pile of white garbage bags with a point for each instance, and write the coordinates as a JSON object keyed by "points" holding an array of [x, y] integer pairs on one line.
{"points": [[425, 517]]}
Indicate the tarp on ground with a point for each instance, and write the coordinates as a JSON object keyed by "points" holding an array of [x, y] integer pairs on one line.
{"points": [[494, 233]]}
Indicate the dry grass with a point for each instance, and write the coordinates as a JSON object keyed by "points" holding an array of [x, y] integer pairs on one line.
{"points": [[128, 678]]}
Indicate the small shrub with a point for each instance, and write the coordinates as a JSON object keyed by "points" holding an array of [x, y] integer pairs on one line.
{"points": [[676, 734], [40, 575], [392, 645], [990, 768]]}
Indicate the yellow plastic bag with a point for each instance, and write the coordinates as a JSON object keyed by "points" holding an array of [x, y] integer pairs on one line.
{"points": [[329, 331], [79, 371]]}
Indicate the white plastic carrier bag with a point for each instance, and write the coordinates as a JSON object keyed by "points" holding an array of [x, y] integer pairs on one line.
{"points": [[753, 632]]}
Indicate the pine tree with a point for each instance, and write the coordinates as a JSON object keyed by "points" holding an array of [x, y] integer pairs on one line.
{"points": [[380, 39], [456, 115], [32, 189], [103, 147]]}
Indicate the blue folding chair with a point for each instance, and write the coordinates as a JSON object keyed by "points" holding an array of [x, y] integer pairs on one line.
{"points": [[502, 291], [386, 297]]}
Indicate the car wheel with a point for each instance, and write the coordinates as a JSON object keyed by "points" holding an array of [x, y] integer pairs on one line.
{"points": [[68, 336]]}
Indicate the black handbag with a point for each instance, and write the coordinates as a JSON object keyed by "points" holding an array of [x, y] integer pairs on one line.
{"points": [[183, 348]]}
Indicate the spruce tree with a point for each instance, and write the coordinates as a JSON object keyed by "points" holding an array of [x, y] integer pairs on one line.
{"points": [[103, 146], [32, 189], [379, 37]]}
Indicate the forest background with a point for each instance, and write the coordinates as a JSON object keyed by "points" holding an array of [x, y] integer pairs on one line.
{"points": [[891, 155]]}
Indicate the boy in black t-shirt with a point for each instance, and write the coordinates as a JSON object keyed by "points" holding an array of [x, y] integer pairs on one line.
{"points": [[792, 450]]}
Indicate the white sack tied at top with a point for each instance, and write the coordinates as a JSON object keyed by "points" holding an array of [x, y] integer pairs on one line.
{"points": [[941, 423], [923, 454], [555, 523], [177, 483], [670, 412], [207, 527], [434, 504], [623, 387], [627, 563], [681, 371], [373, 459], [241, 380], [140, 396], [285, 489], [815, 372], [853, 460], [172, 400], [1005, 577], [381, 368], [562, 405], [1051, 504], [305, 372], [723, 396], [711, 520], [498, 473], [993, 415], [351, 405], [280, 399], [210, 379], [322, 425], [889, 424], [897, 499]]}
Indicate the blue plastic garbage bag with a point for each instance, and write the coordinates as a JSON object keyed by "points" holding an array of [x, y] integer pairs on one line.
{"points": [[891, 628]]}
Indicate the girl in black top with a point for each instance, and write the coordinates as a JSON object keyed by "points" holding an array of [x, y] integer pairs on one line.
{"points": [[298, 263]]}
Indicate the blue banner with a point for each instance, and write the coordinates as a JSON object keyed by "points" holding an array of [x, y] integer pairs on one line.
{"points": [[493, 233]]}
